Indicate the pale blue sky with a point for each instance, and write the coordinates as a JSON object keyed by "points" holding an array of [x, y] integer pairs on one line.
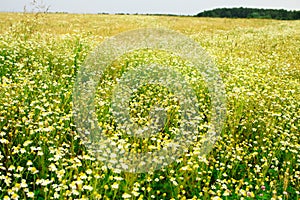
{"points": [[184, 7]]}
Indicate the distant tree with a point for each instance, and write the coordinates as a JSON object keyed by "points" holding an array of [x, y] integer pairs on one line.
{"points": [[251, 13]]}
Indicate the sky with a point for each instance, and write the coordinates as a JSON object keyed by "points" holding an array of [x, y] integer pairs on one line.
{"points": [[180, 7]]}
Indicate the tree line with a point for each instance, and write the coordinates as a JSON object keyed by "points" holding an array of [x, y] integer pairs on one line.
{"points": [[241, 12]]}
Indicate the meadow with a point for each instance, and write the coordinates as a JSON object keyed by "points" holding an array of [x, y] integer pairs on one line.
{"points": [[42, 155]]}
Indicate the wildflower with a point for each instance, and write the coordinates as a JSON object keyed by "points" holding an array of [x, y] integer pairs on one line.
{"points": [[15, 196], [226, 193], [6, 197], [4, 141], [89, 171], [88, 187], [33, 170], [118, 178], [27, 142], [126, 196], [22, 150], [83, 176], [29, 162], [24, 184], [135, 193], [115, 185], [56, 195], [216, 198], [250, 194], [20, 169], [30, 194], [11, 168]]}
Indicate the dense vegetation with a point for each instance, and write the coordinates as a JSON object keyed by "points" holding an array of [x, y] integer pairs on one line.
{"points": [[251, 13], [42, 156]]}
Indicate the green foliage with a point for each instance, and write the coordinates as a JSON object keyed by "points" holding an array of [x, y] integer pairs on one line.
{"points": [[251, 13]]}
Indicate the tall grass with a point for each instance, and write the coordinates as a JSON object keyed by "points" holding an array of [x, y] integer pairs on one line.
{"points": [[41, 153]]}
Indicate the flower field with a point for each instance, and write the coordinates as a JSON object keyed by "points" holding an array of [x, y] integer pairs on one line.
{"points": [[42, 155]]}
